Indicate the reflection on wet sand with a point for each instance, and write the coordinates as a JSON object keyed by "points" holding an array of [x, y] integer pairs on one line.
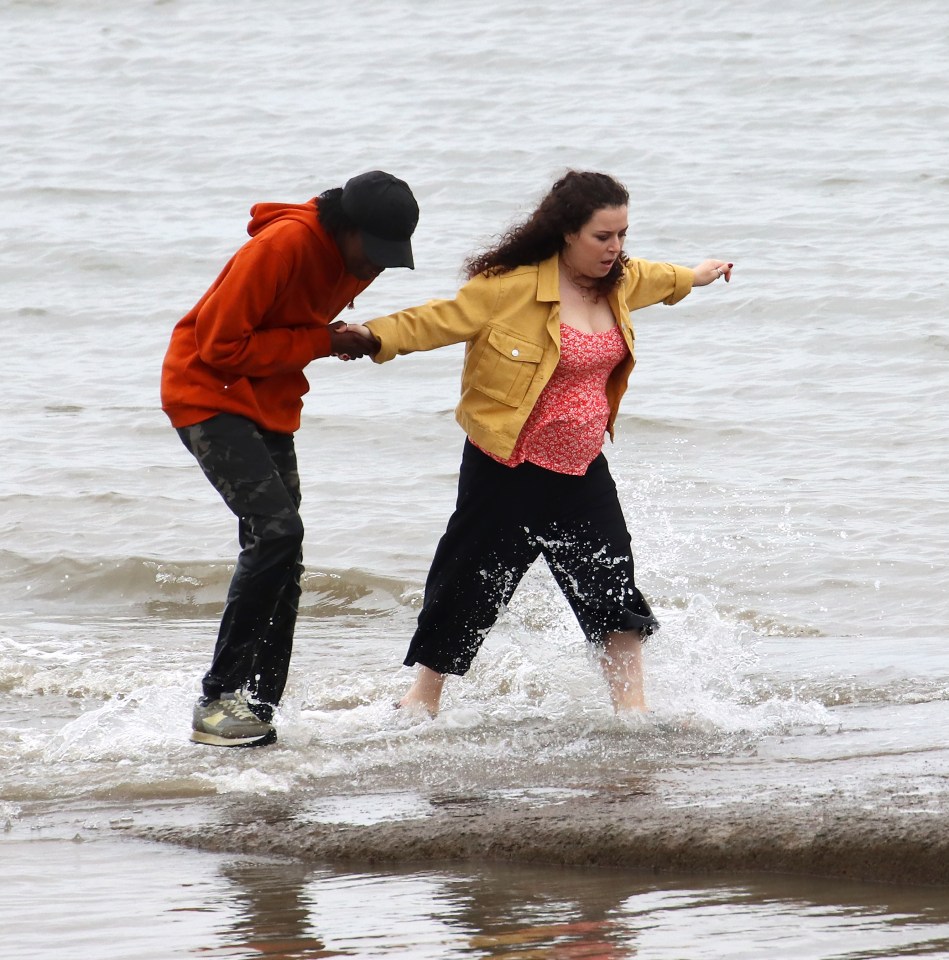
{"points": [[282, 911], [271, 913], [238, 907], [564, 914]]}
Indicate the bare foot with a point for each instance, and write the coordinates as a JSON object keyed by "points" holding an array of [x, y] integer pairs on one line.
{"points": [[414, 709], [425, 694]]}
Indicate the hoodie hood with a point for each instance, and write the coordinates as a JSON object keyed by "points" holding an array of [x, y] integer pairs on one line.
{"points": [[262, 215]]}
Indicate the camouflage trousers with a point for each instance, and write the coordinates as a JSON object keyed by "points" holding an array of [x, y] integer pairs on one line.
{"points": [[255, 472]]}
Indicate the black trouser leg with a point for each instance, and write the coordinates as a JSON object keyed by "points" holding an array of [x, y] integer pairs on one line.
{"points": [[255, 472], [480, 560], [589, 552]]}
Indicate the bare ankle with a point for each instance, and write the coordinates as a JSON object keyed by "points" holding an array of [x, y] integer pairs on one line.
{"points": [[631, 705], [425, 693]]}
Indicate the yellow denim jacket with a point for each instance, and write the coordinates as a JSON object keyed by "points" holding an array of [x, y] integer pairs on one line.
{"points": [[511, 323]]}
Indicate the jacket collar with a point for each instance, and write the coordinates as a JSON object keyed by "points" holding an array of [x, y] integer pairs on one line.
{"points": [[548, 287], [548, 279]]}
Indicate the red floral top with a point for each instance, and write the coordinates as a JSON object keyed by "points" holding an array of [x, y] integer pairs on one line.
{"points": [[565, 430]]}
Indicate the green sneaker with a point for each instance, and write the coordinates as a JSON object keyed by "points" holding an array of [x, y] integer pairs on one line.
{"points": [[229, 722]]}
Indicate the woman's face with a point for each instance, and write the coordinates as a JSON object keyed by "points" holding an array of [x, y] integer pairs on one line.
{"points": [[593, 249]]}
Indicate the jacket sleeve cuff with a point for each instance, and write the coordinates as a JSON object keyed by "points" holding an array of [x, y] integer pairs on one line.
{"points": [[386, 350], [684, 278]]}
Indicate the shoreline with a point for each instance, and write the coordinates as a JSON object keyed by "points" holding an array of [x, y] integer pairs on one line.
{"points": [[900, 840]]}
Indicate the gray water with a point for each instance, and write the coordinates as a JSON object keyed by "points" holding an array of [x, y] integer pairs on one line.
{"points": [[240, 908], [781, 454]]}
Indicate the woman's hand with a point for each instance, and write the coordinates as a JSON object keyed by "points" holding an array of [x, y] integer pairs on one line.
{"points": [[361, 330], [708, 271], [350, 341]]}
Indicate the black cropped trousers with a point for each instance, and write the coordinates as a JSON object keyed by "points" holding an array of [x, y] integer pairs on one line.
{"points": [[504, 519]]}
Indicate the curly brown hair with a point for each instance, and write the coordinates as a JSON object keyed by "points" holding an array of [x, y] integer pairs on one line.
{"points": [[569, 204]]}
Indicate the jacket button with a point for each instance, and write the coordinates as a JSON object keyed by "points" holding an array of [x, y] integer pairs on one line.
{"points": [[515, 353]]}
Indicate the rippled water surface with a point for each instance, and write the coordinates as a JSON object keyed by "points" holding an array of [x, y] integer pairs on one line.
{"points": [[781, 458]]}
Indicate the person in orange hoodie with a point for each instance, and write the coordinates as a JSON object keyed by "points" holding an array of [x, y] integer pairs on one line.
{"points": [[232, 385]]}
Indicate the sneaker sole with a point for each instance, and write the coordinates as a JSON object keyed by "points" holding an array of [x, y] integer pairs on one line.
{"points": [[212, 740]]}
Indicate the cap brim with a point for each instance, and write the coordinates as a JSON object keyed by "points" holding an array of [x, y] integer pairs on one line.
{"points": [[388, 253]]}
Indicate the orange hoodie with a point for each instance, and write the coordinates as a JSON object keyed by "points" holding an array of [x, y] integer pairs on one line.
{"points": [[242, 348]]}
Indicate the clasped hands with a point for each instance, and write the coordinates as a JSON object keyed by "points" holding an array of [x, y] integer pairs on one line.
{"points": [[350, 341]]}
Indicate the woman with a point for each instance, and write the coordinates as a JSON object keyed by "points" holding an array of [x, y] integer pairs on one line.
{"points": [[545, 314]]}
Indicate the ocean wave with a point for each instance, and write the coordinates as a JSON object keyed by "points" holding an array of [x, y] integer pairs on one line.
{"points": [[170, 589], [854, 690]]}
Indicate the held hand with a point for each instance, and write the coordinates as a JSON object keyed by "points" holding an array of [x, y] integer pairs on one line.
{"points": [[367, 334], [350, 341], [708, 271]]}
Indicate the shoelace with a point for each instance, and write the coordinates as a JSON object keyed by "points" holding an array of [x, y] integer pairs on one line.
{"points": [[240, 709]]}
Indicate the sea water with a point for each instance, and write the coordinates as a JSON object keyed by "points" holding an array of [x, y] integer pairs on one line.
{"points": [[781, 454]]}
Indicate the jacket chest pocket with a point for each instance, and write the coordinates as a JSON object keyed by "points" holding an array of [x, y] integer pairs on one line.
{"points": [[506, 367]]}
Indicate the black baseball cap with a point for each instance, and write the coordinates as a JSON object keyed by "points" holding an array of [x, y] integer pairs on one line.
{"points": [[385, 212]]}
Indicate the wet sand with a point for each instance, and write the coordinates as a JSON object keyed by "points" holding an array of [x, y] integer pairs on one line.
{"points": [[116, 898], [887, 837]]}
